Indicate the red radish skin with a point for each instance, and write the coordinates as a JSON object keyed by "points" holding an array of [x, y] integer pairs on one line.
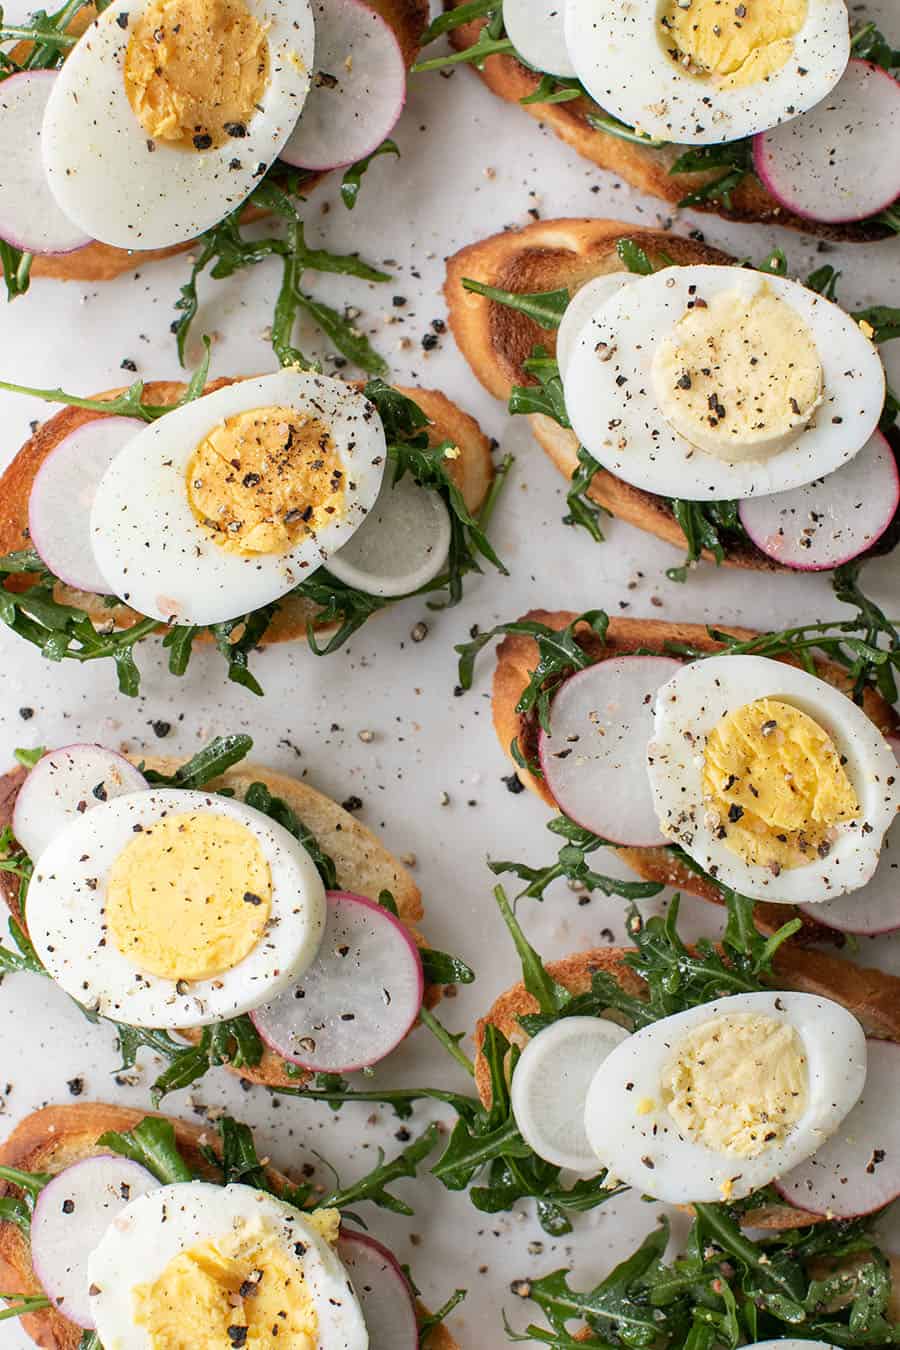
{"points": [[63, 785], [383, 1291], [30, 219], [839, 162], [831, 520], [357, 1001], [594, 759]]}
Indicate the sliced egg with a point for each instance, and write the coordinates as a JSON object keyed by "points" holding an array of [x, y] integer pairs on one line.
{"points": [[167, 113], [581, 309], [229, 502], [223, 1265], [716, 383], [772, 780], [707, 71], [175, 908], [713, 1103]]}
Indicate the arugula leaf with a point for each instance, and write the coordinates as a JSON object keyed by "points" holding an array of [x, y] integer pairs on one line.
{"points": [[546, 308], [884, 320], [634, 258], [582, 510], [353, 176], [734, 158], [21, 1305], [259, 797], [428, 1323], [152, 1144], [441, 968], [217, 757], [554, 89], [546, 395], [868, 44], [456, 17], [611, 126], [572, 863], [490, 42], [709, 526], [373, 1186]]}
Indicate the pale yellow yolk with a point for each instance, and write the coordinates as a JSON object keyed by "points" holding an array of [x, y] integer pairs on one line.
{"points": [[246, 1288], [739, 376], [265, 479], [733, 44], [189, 897], [776, 785], [195, 71], [737, 1083]]}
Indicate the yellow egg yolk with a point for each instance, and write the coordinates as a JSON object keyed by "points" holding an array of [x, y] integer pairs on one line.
{"points": [[195, 71], [738, 1083], [189, 897], [732, 44], [244, 1289], [739, 376], [776, 785], [265, 479]]}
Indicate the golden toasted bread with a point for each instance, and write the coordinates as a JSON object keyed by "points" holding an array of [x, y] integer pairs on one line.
{"points": [[54, 1138], [644, 167], [472, 471], [363, 865]]}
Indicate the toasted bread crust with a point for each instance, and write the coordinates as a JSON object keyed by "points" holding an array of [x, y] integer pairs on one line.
{"points": [[54, 1138], [644, 167], [472, 471]]}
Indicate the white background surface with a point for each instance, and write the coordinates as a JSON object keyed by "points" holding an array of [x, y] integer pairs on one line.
{"points": [[471, 165]]}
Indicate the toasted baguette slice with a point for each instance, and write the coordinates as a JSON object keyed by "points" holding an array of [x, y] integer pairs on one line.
{"points": [[472, 471], [363, 865], [517, 657], [102, 262], [54, 1138], [644, 167]]}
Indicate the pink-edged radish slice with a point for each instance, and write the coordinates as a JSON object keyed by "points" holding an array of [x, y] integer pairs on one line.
{"points": [[550, 1085], [383, 1290], [358, 90], [71, 1215], [29, 216], [581, 309], [358, 999], [831, 520], [401, 545], [62, 494], [839, 162], [63, 785], [857, 1170], [594, 759], [535, 28]]}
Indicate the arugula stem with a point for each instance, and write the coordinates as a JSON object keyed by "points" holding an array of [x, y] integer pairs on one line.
{"points": [[447, 1039]]}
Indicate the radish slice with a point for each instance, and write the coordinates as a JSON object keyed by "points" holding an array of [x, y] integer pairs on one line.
{"points": [[357, 1000], [594, 758], [383, 1290], [358, 91], [582, 308], [550, 1086], [71, 1215], [62, 494], [840, 161], [29, 216], [832, 519], [857, 1170], [401, 545], [63, 785], [535, 28]]}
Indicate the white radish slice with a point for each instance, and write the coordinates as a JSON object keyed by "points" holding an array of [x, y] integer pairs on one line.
{"points": [[71, 1215], [857, 1170], [383, 1290], [62, 495], [550, 1086], [582, 308], [535, 28], [594, 758], [63, 785], [357, 1000], [832, 519], [29, 216], [358, 90], [401, 545], [840, 161]]}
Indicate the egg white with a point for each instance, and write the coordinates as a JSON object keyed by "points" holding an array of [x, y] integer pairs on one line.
{"points": [[66, 916], [156, 1228], [648, 1151], [582, 307], [619, 58], [614, 412], [97, 156], [157, 556], [686, 711]]}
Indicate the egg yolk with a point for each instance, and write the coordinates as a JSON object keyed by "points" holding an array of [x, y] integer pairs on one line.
{"points": [[265, 479], [737, 1083], [776, 785], [732, 44], [738, 376], [189, 897], [195, 71], [244, 1289]]}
